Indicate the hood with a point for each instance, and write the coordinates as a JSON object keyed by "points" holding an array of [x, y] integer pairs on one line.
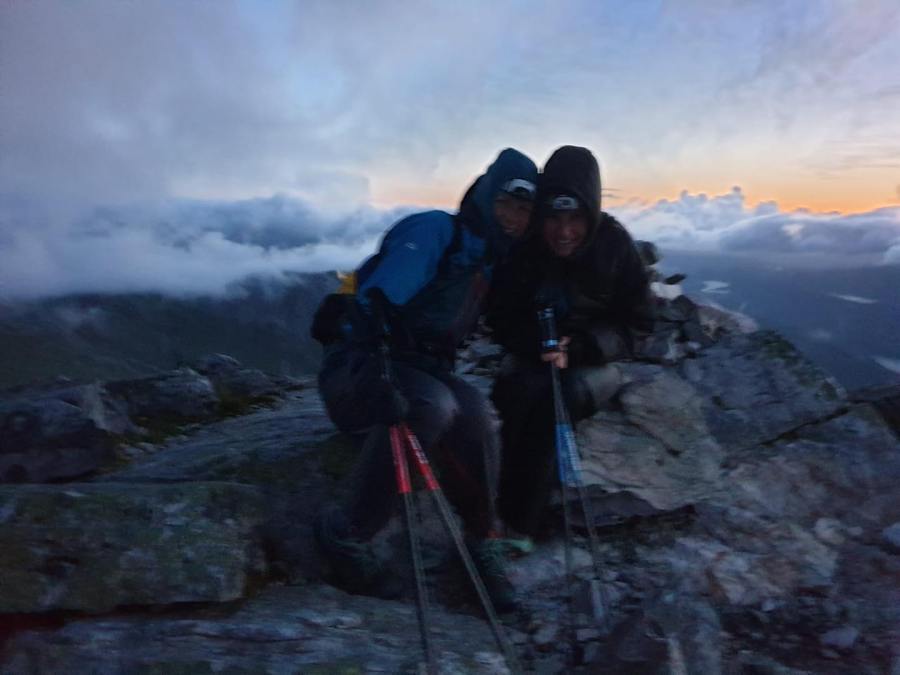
{"points": [[573, 171], [477, 207]]}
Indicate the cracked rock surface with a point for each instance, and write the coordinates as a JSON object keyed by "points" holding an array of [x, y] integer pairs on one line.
{"points": [[747, 511]]}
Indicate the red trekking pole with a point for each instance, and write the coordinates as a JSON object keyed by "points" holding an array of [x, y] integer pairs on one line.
{"points": [[403, 443]]}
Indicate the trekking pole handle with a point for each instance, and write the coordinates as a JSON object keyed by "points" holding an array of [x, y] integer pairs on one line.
{"points": [[549, 335], [377, 302]]}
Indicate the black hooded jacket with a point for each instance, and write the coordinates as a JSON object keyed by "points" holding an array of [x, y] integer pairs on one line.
{"points": [[599, 293]]}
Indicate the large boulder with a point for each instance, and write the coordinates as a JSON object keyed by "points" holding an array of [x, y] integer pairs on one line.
{"points": [[757, 387], [885, 399], [790, 489], [236, 386], [177, 397], [93, 547], [271, 447], [59, 434], [749, 523], [789, 514], [677, 427], [288, 451]]}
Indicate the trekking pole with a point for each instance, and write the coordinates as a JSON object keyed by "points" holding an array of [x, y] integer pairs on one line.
{"points": [[401, 435], [443, 507], [569, 463], [404, 488]]}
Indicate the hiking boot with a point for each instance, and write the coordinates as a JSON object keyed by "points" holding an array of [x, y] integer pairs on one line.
{"points": [[354, 565], [487, 554]]}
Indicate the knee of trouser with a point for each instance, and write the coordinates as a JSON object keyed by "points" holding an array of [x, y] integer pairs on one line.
{"points": [[589, 389], [522, 388], [435, 411], [504, 388]]}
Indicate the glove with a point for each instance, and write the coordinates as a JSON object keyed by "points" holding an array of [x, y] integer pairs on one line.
{"points": [[327, 323], [389, 405], [583, 350]]}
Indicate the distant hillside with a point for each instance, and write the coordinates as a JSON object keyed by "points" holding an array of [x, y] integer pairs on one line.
{"points": [[846, 320], [263, 323]]}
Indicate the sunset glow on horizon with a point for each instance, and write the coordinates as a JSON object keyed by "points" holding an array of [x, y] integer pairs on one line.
{"points": [[852, 195]]}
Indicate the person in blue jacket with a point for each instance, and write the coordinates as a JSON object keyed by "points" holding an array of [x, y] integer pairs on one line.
{"points": [[431, 273]]}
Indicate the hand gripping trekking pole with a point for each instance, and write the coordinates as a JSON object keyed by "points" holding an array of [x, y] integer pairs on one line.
{"points": [[404, 441], [569, 466]]}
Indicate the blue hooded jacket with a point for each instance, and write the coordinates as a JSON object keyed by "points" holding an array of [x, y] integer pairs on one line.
{"points": [[434, 267]]}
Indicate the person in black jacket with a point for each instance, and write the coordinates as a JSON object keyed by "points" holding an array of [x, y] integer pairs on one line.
{"points": [[583, 263]]}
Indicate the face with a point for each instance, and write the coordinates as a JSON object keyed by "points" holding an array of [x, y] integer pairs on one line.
{"points": [[564, 231], [512, 214]]}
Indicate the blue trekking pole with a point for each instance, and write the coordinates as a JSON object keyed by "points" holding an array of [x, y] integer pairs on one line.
{"points": [[569, 467]]}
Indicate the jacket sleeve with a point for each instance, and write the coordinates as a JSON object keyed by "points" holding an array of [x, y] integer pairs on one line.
{"points": [[608, 337], [409, 257], [511, 309]]}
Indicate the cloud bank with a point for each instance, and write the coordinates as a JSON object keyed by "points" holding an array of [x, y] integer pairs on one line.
{"points": [[726, 223], [179, 248], [192, 247]]}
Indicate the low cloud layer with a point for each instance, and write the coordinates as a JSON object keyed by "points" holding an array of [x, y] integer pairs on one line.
{"points": [[184, 248], [727, 224], [202, 247]]}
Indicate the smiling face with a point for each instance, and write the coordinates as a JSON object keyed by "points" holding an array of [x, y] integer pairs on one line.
{"points": [[565, 231], [512, 214]]}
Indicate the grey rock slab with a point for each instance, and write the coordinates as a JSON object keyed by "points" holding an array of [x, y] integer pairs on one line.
{"points": [[891, 536], [93, 547], [233, 383], [50, 439], [693, 634], [661, 347], [289, 451], [756, 387], [782, 523], [789, 559], [668, 473], [546, 635], [886, 399], [545, 567], [693, 331], [718, 321], [750, 662], [844, 469], [178, 396], [264, 447], [107, 412], [842, 638], [637, 645], [671, 410], [283, 630]]}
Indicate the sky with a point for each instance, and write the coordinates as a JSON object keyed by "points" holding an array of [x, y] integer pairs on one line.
{"points": [[179, 144]]}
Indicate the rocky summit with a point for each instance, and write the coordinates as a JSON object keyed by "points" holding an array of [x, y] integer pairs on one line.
{"points": [[747, 507]]}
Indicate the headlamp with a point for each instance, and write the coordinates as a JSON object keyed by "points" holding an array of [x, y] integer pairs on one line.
{"points": [[563, 203], [519, 187]]}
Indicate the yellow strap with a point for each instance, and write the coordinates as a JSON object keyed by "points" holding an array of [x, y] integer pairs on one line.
{"points": [[348, 283]]}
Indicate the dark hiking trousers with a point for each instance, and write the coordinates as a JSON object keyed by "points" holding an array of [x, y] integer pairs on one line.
{"points": [[453, 421], [523, 395]]}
